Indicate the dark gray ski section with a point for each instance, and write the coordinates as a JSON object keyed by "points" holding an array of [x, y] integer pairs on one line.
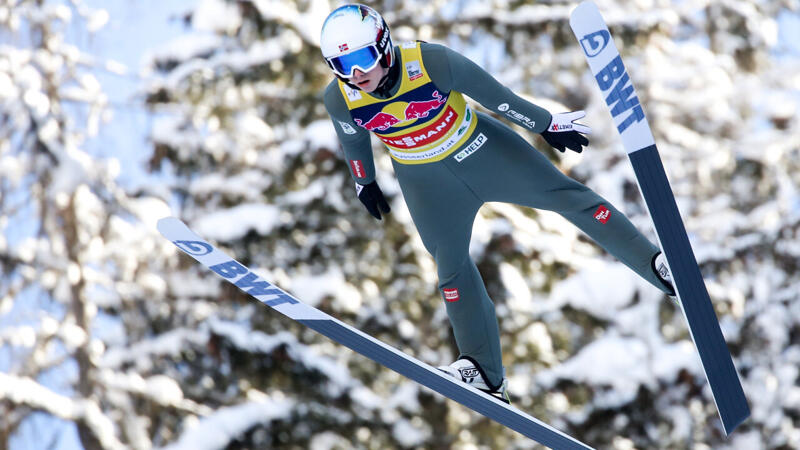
{"points": [[472, 400], [700, 315]]}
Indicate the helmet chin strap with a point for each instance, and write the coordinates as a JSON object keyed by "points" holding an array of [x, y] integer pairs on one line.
{"points": [[388, 81]]}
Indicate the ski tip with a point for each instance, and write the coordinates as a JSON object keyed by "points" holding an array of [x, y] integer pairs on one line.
{"points": [[583, 8], [586, 17], [164, 222], [169, 226]]}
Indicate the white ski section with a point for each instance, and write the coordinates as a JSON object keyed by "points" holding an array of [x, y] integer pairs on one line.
{"points": [[592, 32], [208, 255], [598, 46]]}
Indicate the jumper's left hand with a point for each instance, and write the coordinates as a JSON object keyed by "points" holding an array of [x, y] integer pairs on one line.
{"points": [[564, 132]]}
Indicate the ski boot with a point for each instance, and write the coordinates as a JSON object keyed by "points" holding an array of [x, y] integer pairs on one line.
{"points": [[660, 268], [467, 370]]}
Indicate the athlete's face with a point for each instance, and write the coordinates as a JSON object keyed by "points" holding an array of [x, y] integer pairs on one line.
{"points": [[369, 81]]}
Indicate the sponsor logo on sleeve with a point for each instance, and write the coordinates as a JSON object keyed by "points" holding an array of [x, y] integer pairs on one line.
{"points": [[358, 168], [347, 128], [517, 116], [521, 118], [602, 214], [451, 295]]}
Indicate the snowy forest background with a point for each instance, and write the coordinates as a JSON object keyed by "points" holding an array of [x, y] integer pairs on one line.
{"points": [[115, 114]]}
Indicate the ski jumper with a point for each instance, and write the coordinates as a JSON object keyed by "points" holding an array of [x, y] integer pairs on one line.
{"points": [[450, 160]]}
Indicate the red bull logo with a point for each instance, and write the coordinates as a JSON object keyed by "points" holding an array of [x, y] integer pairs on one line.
{"points": [[379, 122], [408, 112], [420, 110]]}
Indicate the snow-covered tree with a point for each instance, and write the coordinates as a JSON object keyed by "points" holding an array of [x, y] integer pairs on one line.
{"points": [[76, 277]]}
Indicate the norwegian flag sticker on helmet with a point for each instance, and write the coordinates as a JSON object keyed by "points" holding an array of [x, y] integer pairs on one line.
{"points": [[355, 36]]}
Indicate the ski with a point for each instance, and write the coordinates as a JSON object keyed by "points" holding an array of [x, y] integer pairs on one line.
{"points": [[243, 278], [606, 65]]}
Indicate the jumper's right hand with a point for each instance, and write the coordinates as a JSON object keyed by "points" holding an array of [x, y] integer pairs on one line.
{"points": [[373, 199]]}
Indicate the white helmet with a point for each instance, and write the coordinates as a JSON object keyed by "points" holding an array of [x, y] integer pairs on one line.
{"points": [[355, 37]]}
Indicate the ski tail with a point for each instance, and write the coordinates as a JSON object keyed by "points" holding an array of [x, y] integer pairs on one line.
{"points": [[726, 387], [619, 94], [267, 293]]}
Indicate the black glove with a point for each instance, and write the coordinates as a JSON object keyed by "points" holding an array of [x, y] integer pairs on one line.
{"points": [[373, 199], [564, 132]]}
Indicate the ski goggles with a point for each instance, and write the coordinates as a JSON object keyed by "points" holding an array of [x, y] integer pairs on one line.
{"points": [[363, 59]]}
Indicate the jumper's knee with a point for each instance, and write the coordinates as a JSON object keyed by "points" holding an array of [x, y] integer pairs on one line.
{"points": [[449, 269]]}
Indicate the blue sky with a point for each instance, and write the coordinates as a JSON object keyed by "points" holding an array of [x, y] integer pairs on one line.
{"points": [[134, 29]]}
